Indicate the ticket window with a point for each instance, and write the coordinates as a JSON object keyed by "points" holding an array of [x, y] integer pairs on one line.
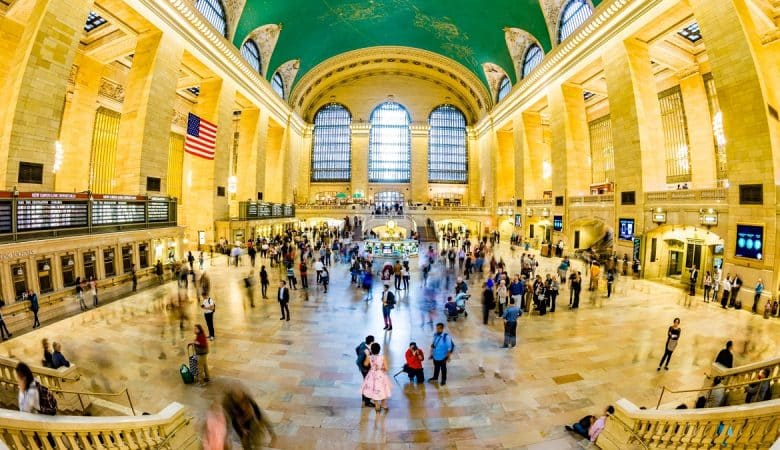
{"points": [[143, 255], [127, 258], [108, 262], [89, 266], [19, 279], [68, 270], [44, 276]]}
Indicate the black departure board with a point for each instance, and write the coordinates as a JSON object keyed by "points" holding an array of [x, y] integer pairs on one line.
{"points": [[288, 211], [276, 210], [50, 214], [158, 211], [5, 217], [110, 212], [264, 210]]}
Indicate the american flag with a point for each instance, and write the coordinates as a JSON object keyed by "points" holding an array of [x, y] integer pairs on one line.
{"points": [[201, 137]]}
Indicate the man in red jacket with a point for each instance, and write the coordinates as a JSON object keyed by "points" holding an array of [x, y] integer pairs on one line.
{"points": [[414, 367]]}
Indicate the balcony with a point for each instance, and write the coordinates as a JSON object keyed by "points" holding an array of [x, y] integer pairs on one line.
{"points": [[687, 196], [539, 202], [592, 200]]}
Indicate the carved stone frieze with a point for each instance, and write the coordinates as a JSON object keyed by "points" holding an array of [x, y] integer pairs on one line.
{"points": [[289, 71], [494, 75], [111, 90]]}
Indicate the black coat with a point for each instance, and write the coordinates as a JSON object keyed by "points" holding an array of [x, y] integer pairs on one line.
{"points": [[285, 295]]}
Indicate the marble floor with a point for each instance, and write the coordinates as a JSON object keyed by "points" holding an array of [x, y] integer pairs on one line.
{"points": [[303, 374]]}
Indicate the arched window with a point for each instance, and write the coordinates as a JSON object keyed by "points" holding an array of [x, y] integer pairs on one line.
{"points": [[533, 56], [389, 144], [331, 151], [503, 88], [214, 12], [251, 54], [447, 151], [277, 83], [574, 14]]}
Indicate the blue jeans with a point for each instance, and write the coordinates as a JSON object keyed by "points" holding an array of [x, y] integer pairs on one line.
{"points": [[579, 429], [386, 315]]}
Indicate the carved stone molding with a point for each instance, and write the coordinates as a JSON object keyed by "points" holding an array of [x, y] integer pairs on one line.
{"points": [[382, 59], [265, 37], [494, 75], [518, 41], [74, 71], [111, 90], [289, 71]]}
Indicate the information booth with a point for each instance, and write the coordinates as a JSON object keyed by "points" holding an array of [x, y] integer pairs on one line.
{"points": [[392, 249]]}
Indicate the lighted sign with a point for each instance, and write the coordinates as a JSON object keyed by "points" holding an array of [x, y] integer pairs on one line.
{"points": [[659, 217], [558, 223], [708, 219], [626, 229], [750, 242], [518, 220]]}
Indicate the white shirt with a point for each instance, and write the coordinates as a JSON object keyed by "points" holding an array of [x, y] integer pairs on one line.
{"points": [[28, 400], [726, 285], [318, 266], [208, 305]]}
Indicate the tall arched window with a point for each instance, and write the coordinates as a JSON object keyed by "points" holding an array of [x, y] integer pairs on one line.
{"points": [[277, 83], [574, 14], [251, 54], [447, 151], [332, 144], [503, 88], [214, 12], [533, 56], [389, 144]]}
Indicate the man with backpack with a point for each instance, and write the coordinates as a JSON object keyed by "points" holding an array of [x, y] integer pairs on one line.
{"points": [[388, 303], [362, 353], [441, 349]]}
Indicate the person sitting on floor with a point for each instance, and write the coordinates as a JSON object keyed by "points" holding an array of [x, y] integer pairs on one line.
{"points": [[57, 358], [589, 426]]}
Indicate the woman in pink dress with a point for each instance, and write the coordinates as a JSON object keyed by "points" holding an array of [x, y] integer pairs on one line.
{"points": [[376, 385]]}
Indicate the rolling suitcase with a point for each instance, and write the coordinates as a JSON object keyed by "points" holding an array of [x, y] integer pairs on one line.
{"points": [[189, 373]]}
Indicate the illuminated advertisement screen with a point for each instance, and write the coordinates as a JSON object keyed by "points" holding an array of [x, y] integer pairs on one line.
{"points": [[626, 229], [750, 242]]}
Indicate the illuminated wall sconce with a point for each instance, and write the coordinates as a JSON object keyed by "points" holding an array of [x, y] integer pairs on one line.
{"points": [[46, 267], [529, 212], [708, 217], [659, 215], [232, 186], [545, 212], [59, 154], [70, 262]]}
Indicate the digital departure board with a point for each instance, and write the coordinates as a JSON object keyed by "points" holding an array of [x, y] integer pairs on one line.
{"points": [[5, 217], [49, 214], [276, 210], [158, 211], [110, 212], [289, 211]]}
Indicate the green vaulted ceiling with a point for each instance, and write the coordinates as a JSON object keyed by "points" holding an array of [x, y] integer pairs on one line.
{"points": [[470, 32]]}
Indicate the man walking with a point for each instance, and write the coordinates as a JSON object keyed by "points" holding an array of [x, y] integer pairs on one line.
{"points": [[694, 277], [208, 306], [488, 302], [362, 352], [33, 298], [133, 277], [441, 349], [388, 303], [757, 296], [318, 266], [510, 323], [284, 299]]}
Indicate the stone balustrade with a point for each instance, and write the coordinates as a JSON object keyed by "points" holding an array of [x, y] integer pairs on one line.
{"points": [[170, 429], [592, 199], [717, 195], [747, 372], [750, 426], [62, 379], [539, 202]]}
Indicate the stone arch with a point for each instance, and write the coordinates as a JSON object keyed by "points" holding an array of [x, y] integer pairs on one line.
{"points": [[518, 41], [233, 10], [494, 74], [265, 37], [288, 72], [552, 10]]}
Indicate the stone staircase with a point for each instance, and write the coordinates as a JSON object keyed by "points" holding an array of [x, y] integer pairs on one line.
{"points": [[426, 233]]}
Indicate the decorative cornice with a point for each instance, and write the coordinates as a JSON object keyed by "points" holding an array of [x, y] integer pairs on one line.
{"points": [[74, 71], [217, 51], [608, 21], [377, 59], [111, 90]]}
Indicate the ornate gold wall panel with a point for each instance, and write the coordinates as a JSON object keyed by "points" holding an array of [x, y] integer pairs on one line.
{"points": [[175, 165], [104, 144]]}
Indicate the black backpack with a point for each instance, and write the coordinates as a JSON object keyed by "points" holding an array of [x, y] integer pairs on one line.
{"points": [[46, 400]]}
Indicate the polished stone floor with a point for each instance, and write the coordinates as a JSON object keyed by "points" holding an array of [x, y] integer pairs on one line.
{"points": [[303, 374]]}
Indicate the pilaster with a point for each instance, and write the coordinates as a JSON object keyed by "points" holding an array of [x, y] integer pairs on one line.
{"points": [[570, 140], [418, 185], [147, 113], [700, 134]]}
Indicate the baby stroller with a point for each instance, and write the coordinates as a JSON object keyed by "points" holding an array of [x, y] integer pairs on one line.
{"points": [[455, 308]]}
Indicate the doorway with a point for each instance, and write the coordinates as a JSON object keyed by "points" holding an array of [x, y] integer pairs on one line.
{"points": [[675, 263]]}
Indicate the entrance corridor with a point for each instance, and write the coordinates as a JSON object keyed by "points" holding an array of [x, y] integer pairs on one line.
{"points": [[303, 374]]}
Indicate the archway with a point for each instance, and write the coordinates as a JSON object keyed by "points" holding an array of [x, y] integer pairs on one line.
{"points": [[673, 249]]}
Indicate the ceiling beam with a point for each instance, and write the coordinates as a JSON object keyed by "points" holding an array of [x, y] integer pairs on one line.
{"points": [[671, 56]]}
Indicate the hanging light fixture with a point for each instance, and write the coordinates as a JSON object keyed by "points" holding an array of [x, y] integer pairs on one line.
{"points": [[19, 271], [46, 266], [70, 262]]}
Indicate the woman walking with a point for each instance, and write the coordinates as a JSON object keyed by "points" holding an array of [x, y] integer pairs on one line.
{"points": [[501, 296], [201, 344], [376, 385], [264, 282], [672, 337]]}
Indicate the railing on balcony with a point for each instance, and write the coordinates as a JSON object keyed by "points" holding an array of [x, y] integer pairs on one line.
{"points": [[687, 196], [171, 429], [592, 199], [40, 215], [539, 202], [751, 426], [747, 372]]}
